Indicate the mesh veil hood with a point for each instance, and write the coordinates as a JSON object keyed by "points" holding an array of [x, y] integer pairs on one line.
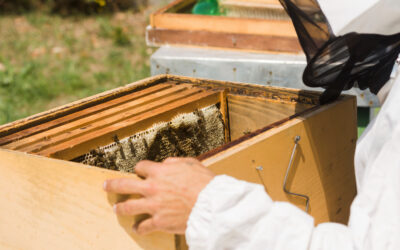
{"points": [[338, 63]]}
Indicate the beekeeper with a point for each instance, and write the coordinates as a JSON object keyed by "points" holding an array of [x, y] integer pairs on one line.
{"points": [[220, 212]]}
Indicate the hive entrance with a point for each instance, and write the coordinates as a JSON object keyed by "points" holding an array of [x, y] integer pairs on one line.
{"points": [[189, 134]]}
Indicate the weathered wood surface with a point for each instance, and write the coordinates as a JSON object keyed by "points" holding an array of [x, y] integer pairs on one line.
{"points": [[273, 93], [244, 32], [256, 3], [76, 106], [80, 114], [248, 114], [175, 26], [225, 115], [278, 94], [54, 204], [75, 148], [323, 164], [205, 38], [88, 120], [272, 2], [156, 104], [167, 18], [102, 119]]}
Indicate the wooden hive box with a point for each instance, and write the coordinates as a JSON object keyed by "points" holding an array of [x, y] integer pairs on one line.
{"points": [[175, 25], [48, 201]]}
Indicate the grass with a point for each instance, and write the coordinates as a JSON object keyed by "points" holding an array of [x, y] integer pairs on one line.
{"points": [[47, 60]]}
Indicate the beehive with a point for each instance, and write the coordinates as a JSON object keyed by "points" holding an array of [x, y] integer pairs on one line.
{"points": [[168, 119], [53, 200], [265, 9], [175, 25]]}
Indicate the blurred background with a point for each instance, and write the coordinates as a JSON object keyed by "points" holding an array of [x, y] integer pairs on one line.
{"points": [[53, 52]]}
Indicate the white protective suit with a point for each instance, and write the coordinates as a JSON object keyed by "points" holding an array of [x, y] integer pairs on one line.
{"points": [[233, 214]]}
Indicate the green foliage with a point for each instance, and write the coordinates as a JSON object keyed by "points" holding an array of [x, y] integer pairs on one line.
{"points": [[18, 6], [116, 33], [100, 3], [120, 37], [67, 7], [18, 90], [58, 60]]}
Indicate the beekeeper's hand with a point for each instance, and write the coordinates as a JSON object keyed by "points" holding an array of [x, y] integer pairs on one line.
{"points": [[169, 189]]}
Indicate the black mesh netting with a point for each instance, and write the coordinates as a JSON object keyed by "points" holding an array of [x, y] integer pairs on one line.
{"points": [[338, 63]]}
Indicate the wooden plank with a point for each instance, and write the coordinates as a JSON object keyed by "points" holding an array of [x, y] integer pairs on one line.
{"points": [[175, 16], [323, 165], [225, 115], [78, 146], [273, 3], [277, 94], [171, 17], [254, 26], [202, 38], [283, 94], [80, 114], [254, 3], [247, 114], [69, 108], [53, 204], [107, 122], [101, 119], [174, 7], [181, 244]]}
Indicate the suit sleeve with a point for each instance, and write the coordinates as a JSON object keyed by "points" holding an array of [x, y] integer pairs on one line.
{"points": [[233, 214]]}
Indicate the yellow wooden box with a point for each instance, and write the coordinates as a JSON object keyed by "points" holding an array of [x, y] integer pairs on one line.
{"points": [[50, 203]]}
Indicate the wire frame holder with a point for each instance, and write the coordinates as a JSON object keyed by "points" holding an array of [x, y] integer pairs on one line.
{"points": [[285, 189]]}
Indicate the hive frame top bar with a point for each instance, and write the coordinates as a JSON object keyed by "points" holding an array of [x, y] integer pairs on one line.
{"points": [[273, 93]]}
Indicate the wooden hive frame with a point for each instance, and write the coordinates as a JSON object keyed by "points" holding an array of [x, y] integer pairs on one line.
{"points": [[74, 135], [65, 199], [254, 8]]}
